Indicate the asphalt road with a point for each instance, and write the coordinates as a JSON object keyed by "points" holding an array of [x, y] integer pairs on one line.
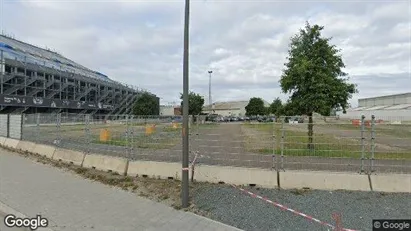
{"points": [[3, 227]]}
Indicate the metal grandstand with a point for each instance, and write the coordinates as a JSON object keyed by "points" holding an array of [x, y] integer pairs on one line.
{"points": [[35, 80]]}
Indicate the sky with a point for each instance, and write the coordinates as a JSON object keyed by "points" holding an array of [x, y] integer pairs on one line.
{"points": [[244, 43]]}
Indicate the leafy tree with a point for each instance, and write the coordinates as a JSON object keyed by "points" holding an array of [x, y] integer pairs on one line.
{"points": [[276, 107], [255, 107], [314, 77], [146, 104], [195, 103], [267, 111]]}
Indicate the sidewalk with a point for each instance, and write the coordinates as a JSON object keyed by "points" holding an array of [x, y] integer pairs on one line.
{"points": [[72, 203]]}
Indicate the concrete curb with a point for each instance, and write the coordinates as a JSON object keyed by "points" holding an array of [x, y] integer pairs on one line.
{"points": [[324, 180], [106, 163], [11, 143], [69, 156]]}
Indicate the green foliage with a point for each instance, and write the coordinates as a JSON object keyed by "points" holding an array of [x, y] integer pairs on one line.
{"points": [[313, 74], [146, 104], [276, 107], [314, 77], [255, 107], [195, 103]]}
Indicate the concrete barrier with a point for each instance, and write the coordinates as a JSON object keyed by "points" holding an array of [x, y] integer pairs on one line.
{"points": [[2, 140], [391, 183], [26, 146], [69, 156], [162, 170], [236, 175], [324, 180], [44, 150], [106, 163], [205, 173], [11, 143]]}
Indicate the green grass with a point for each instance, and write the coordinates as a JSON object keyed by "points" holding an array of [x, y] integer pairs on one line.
{"points": [[295, 143], [396, 130], [146, 142]]}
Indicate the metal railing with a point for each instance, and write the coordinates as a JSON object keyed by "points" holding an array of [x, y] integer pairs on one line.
{"points": [[364, 145]]}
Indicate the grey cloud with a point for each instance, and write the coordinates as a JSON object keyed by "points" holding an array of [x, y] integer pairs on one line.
{"points": [[115, 39]]}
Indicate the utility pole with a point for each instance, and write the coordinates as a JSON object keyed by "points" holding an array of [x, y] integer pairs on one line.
{"points": [[185, 131], [209, 92]]}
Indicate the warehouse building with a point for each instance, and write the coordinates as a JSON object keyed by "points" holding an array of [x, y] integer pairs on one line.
{"points": [[230, 108], [170, 110], [391, 107]]}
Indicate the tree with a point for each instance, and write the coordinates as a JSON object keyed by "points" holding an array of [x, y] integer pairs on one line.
{"points": [[314, 77], [146, 104], [255, 107], [276, 107], [195, 103]]}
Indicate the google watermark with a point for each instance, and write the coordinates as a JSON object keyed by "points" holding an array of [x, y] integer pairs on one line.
{"points": [[391, 225], [34, 223]]}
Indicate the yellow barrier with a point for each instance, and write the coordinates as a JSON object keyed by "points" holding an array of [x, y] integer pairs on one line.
{"points": [[175, 125], [104, 135], [150, 129]]}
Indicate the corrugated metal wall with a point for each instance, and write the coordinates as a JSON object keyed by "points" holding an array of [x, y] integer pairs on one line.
{"points": [[389, 115], [385, 100]]}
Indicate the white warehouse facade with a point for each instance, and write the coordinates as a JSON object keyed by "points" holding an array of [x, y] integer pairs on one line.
{"points": [[389, 108]]}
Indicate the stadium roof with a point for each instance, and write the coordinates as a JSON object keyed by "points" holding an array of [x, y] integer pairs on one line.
{"points": [[17, 50]]}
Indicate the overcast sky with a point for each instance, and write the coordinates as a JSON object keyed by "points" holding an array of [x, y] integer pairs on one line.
{"points": [[244, 42]]}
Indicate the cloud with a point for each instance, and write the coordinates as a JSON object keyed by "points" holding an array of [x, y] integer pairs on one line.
{"points": [[244, 42]]}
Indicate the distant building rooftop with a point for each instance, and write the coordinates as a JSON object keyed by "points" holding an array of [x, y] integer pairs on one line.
{"points": [[230, 105]]}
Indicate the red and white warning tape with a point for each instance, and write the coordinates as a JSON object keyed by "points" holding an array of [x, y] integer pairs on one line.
{"points": [[192, 163], [282, 207], [288, 209]]}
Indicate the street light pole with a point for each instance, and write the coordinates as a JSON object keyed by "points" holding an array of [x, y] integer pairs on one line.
{"points": [[209, 92], [185, 131]]}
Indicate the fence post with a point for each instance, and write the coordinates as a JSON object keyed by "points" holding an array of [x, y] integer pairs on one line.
{"points": [[372, 143], [8, 126], [87, 132], [127, 138], [132, 136], [58, 140], [275, 162], [282, 142], [362, 128], [38, 127]]}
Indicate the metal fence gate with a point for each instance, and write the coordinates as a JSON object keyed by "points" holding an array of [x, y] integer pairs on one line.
{"points": [[11, 126], [4, 125]]}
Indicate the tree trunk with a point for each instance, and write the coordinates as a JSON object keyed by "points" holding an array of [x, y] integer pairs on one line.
{"points": [[310, 144]]}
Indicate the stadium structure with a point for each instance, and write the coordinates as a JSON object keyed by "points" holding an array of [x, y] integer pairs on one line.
{"points": [[36, 80], [389, 107]]}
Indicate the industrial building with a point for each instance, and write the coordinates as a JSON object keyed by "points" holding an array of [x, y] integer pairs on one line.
{"points": [[36, 80], [170, 110], [391, 107], [230, 108]]}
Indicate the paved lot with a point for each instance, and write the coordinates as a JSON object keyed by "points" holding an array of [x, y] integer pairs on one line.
{"points": [[222, 145], [72, 203]]}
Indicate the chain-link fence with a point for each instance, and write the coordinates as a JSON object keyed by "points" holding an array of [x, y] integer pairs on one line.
{"points": [[288, 143]]}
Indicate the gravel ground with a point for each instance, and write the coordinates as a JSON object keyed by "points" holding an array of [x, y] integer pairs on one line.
{"points": [[231, 206]]}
